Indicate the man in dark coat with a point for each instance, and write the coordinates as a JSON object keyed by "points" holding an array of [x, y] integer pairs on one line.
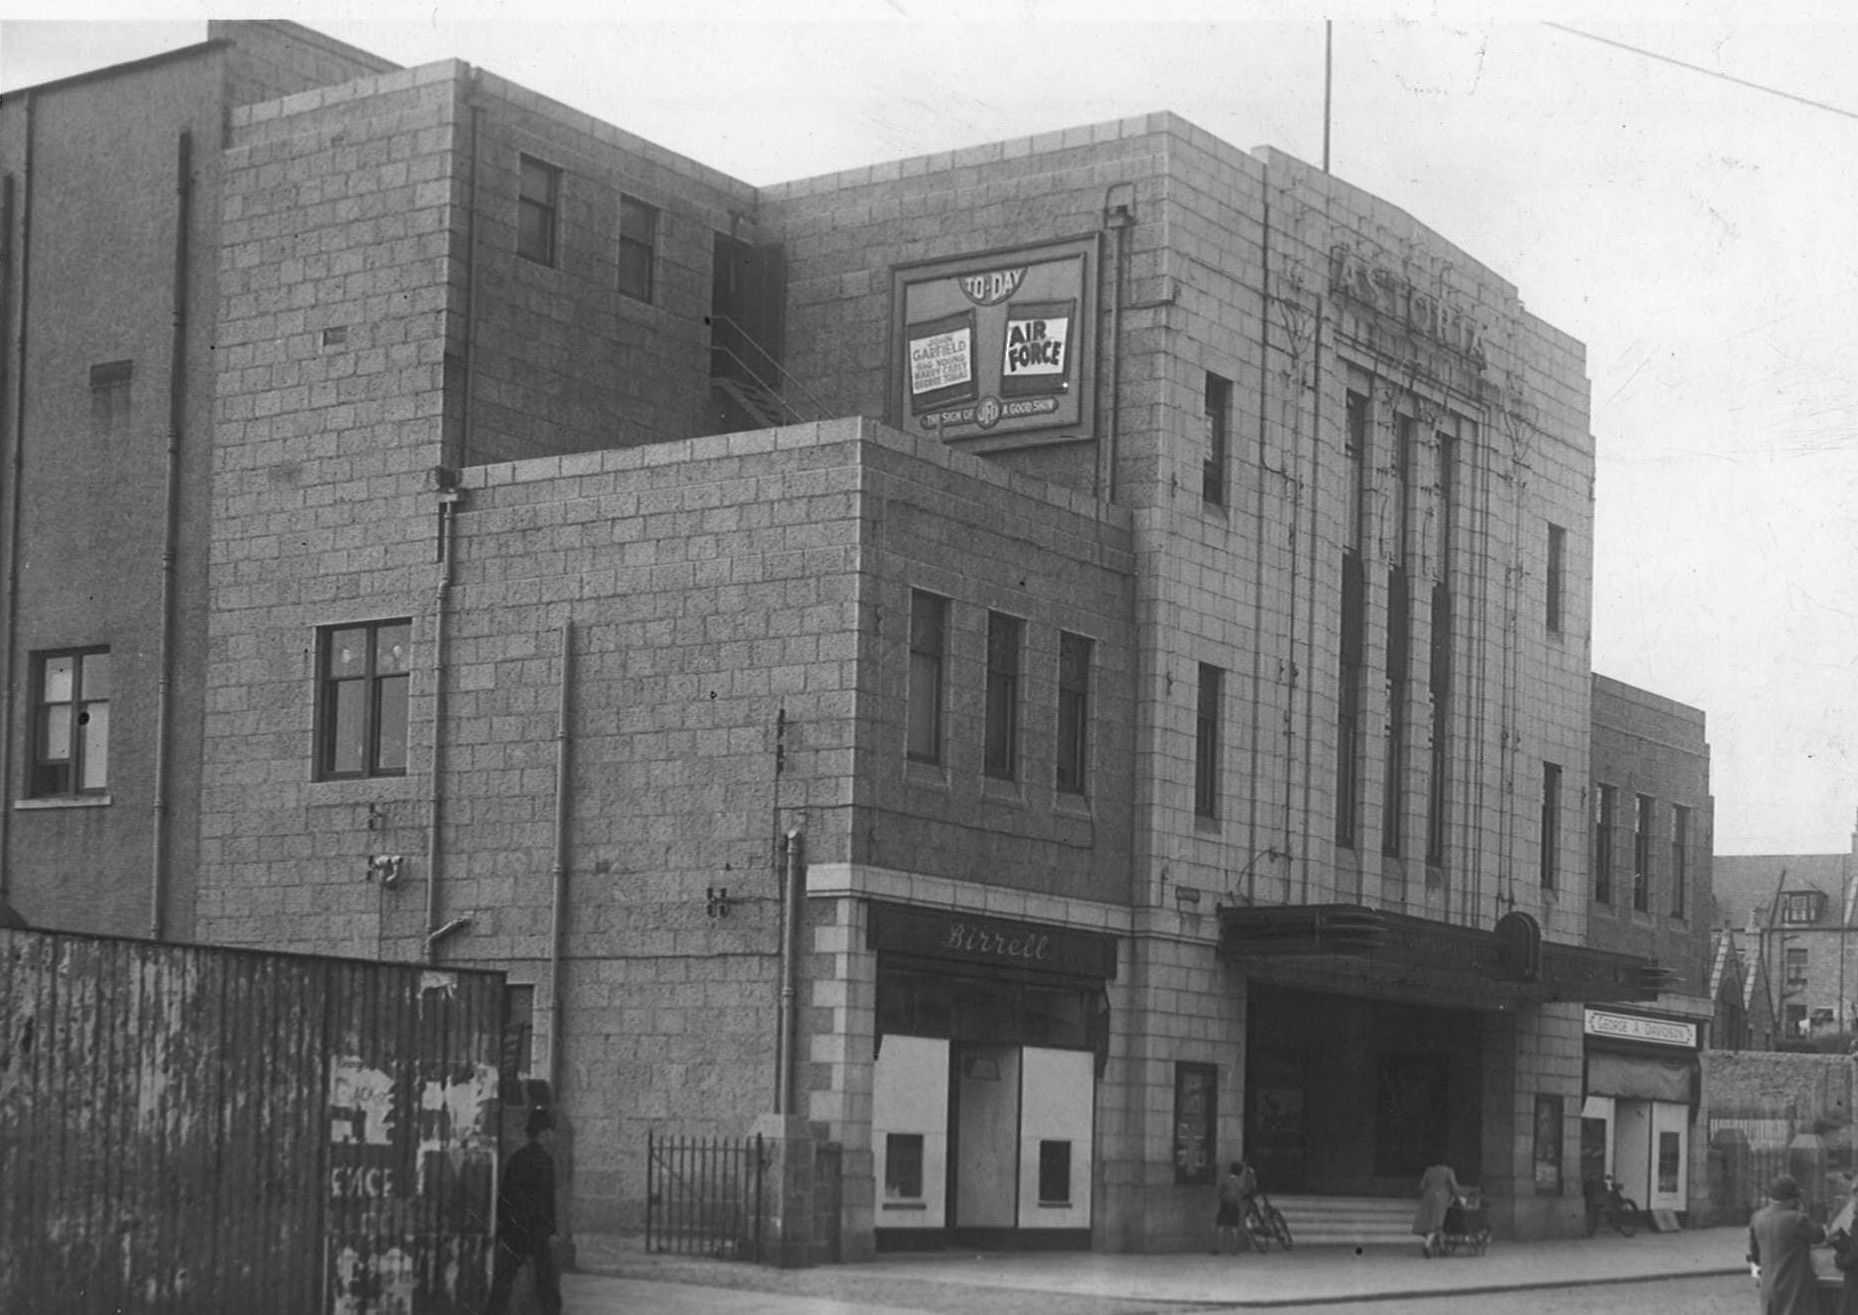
{"points": [[526, 1220], [1780, 1241]]}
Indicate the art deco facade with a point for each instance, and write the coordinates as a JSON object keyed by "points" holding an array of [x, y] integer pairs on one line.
{"points": [[1139, 589]]}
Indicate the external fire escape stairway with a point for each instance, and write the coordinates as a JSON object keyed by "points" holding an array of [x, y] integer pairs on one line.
{"points": [[760, 390]]}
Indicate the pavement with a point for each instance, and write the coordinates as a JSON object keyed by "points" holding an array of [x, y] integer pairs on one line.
{"points": [[614, 1275]]}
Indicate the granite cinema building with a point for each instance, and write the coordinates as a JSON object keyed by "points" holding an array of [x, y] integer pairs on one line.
{"points": [[1047, 666]]}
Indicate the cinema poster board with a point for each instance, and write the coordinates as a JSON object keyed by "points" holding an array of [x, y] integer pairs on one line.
{"points": [[997, 349]]}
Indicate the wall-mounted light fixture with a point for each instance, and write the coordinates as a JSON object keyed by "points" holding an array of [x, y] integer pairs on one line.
{"points": [[386, 867]]}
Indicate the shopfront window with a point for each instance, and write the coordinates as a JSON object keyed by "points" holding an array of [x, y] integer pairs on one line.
{"points": [[920, 1003], [1054, 1173], [1670, 1152]]}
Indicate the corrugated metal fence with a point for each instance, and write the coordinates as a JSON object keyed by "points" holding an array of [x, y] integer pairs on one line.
{"points": [[704, 1196], [202, 1130]]}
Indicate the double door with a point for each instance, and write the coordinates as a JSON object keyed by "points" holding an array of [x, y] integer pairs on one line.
{"points": [[982, 1137]]}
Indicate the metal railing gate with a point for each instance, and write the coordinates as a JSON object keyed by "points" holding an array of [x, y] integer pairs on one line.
{"points": [[704, 1196]]}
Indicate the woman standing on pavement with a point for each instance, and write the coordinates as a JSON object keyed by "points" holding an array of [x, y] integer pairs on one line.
{"points": [[1780, 1242], [1438, 1188]]}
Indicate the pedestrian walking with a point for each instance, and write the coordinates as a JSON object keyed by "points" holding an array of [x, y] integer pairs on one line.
{"points": [[1438, 1188], [1236, 1191], [1845, 1251], [526, 1220], [1780, 1241]]}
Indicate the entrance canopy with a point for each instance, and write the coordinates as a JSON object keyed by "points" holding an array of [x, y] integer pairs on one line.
{"points": [[1351, 947]]}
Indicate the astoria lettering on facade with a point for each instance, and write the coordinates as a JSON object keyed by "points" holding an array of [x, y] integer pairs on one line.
{"points": [[1354, 278]]}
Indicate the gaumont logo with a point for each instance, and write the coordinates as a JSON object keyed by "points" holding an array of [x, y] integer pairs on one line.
{"points": [[973, 940], [993, 287]]}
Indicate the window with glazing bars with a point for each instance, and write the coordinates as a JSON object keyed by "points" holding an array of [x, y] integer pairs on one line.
{"points": [[1074, 654], [1605, 802], [928, 640], [1551, 824], [1000, 757], [538, 202], [1680, 860], [1206, 743], [1642, 854], [71, 723], [638, 247], [363, 673]]}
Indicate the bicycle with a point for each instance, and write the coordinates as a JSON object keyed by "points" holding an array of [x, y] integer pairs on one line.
{"points": [[1264, 1224], [1614, 1208]]}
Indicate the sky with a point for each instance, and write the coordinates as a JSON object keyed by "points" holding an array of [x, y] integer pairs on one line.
{"points": [[1687, 208]]}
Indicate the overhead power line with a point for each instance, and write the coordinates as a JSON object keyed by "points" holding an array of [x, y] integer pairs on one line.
{"points": [[1707, 72]]}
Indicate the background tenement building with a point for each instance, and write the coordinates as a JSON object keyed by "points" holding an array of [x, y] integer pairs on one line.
{"points": [[1137, 591]]}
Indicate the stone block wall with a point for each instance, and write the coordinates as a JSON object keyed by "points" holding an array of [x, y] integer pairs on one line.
{"points": [[1644, 744], [560, 359]]}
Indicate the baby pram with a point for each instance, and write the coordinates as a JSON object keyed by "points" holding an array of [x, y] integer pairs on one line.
{"points": [[1467, 1224]]}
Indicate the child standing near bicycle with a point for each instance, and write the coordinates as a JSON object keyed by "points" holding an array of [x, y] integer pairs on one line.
{"points": [[1236, 1191]]}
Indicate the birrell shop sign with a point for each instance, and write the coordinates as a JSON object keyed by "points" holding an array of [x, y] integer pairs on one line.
{"points": [[1356, 278], [996, 346], [942, 934]]}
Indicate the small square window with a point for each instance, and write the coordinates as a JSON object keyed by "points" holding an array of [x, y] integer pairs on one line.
{"points": [[363, 674], [638, 247], [71, 723]]}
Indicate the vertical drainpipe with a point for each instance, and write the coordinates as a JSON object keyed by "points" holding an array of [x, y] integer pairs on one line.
{"points": [[448, 518], [558, 910], [449, 497], [793, 877], [8, 700], [1258, 546], [177, 403], [1120, 218]]}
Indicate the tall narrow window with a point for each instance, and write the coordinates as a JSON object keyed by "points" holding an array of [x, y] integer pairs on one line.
{"points": [[1206, 743], [363, 674], [1439, 673], [1353, 626], [1680, 861], [1001, 755], [928, 640], [1557, 575], [71, 723], [538, 201], [1355, 450], [1218, 407], [109, 398], [638, 247], [1642, 854], [1606, 801], [1399, 646], [1074, 653], [1551, 824]]}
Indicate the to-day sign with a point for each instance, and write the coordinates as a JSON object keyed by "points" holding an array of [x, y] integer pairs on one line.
{"points": [[996, 347]]}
